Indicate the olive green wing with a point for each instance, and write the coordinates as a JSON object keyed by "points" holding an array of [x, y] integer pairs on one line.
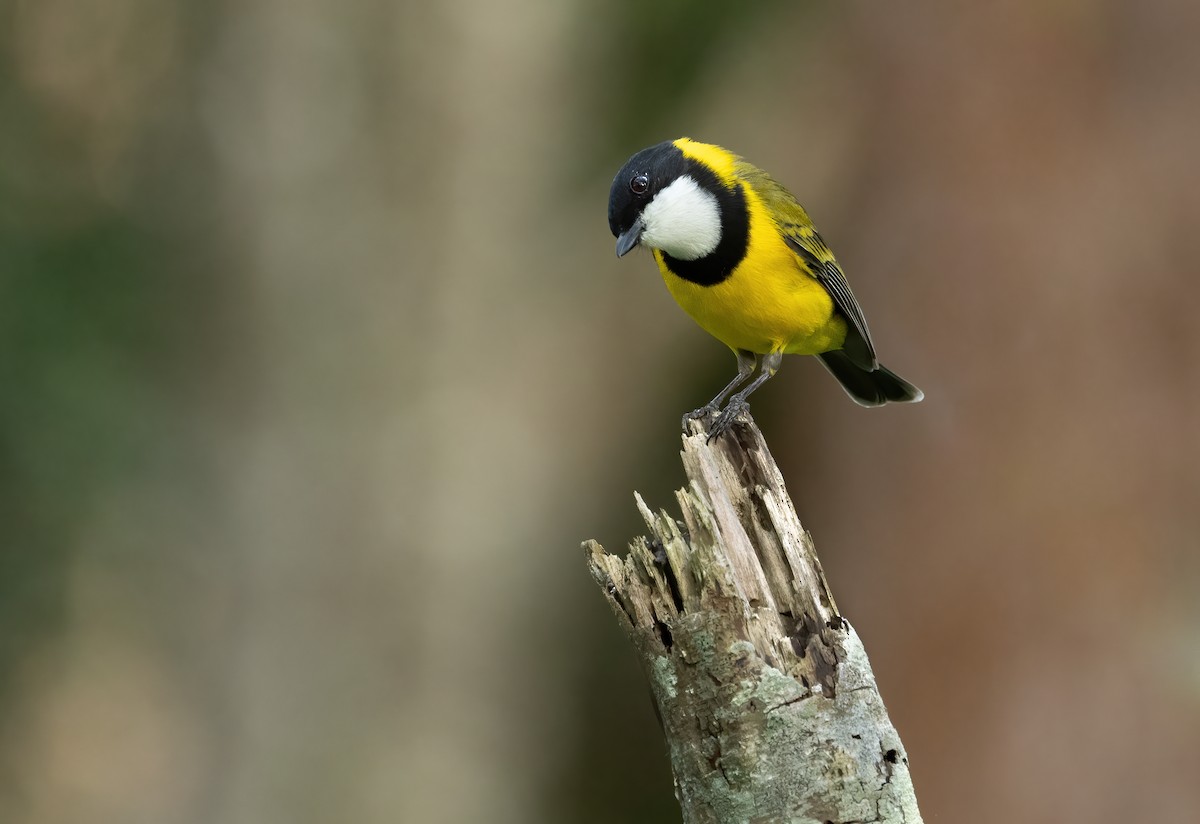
{"points": [[811, 248], [800, 235]]}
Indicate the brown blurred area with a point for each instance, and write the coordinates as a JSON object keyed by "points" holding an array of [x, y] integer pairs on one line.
{"points": [[316, 365]]}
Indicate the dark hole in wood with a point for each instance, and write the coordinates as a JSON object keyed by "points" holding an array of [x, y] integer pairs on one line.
{"points": [[664, 635]]}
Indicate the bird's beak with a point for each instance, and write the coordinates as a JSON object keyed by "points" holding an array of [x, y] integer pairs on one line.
{"points": [[630, 237]]}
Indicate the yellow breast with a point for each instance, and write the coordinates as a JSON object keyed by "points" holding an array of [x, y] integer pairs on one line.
{"points": [[769, 303]]}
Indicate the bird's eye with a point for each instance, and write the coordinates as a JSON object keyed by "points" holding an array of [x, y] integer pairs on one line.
{"points": [[639, 185]]}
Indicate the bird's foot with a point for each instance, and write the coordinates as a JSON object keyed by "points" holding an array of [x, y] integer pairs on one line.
{"points": [[706, 411], [729, 414]]}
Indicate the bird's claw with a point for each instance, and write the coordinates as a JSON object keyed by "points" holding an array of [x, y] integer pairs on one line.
{"points": [[735, 407], [706, 411]]}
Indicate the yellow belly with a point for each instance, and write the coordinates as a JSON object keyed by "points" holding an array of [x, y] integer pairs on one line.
{"points": [[768, 304]]}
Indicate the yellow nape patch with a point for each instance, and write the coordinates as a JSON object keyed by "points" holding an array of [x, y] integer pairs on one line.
{"points": [[719, 160]]}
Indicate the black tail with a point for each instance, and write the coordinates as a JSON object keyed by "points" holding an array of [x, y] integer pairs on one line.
{"points": [[869, 387]]}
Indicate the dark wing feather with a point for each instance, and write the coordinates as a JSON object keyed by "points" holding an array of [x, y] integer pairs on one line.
{"points": [[799, 234], [806, 243]]}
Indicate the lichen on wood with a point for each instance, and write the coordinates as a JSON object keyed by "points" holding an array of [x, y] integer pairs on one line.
{"points": [[767, 699]]}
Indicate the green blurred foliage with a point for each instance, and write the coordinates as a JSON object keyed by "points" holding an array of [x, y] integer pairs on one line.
{"points": [[81, 342], [104, 305], [653, 60]]}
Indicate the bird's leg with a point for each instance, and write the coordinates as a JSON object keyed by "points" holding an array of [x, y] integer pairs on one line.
{"points": [[746, 361], [738, 403]]}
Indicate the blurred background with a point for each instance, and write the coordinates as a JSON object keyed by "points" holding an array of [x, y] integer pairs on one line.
{"points": [[316, 365]]}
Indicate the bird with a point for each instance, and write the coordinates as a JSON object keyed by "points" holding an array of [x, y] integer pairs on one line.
{"points": [[740, 255]]}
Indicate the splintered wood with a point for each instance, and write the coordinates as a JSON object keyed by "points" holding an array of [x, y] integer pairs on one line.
{"points": [[767, 699]]}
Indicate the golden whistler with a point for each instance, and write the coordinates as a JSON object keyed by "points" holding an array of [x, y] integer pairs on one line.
{"points": [[742, 257]]}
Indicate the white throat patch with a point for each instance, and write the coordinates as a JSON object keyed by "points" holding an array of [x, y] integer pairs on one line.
{"points": [[683, 220]]}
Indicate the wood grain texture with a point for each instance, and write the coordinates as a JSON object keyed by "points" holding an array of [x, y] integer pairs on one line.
{"points": [[767, 700]]}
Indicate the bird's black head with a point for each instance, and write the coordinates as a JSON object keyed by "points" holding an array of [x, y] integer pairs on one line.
{"points": [[673, 201], [641, 178]]}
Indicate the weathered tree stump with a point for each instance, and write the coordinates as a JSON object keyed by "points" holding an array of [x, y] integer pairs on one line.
{"points": [[767, 700]]}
